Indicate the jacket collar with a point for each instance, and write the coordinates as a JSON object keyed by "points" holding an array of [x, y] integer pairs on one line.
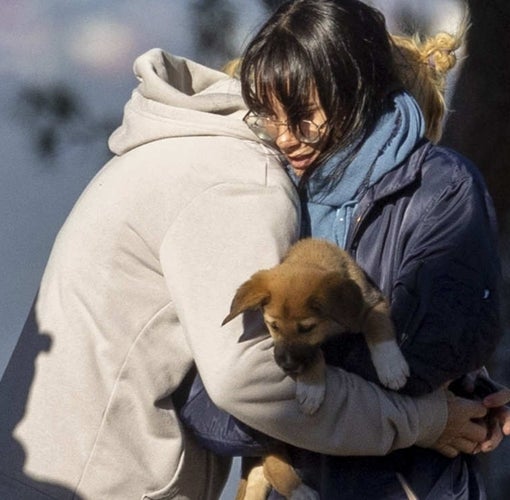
{"points": [[401, 177], [394, 181]]}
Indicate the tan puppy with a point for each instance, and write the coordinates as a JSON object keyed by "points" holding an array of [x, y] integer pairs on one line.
{"points": [[317, 292]]}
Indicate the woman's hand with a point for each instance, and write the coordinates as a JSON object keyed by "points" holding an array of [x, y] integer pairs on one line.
{"points": [[498, 419], [466, 428], [467, 422]]}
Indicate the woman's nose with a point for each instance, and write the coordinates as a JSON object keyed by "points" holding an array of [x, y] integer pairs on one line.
{"points": [[286, 138]]}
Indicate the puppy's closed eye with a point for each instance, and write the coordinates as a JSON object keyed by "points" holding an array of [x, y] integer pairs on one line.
{"points": [[305, 328], [273, 325]]}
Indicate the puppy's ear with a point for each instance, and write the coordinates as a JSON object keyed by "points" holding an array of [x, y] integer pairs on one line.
{"points": [[252, 294], [340, 299]]}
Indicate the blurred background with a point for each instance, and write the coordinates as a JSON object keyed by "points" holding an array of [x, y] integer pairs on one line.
{"points": [[65, 72]]}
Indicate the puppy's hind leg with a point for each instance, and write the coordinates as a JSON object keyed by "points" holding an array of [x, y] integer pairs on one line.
{"points": [[284, 479], [253, 484]]}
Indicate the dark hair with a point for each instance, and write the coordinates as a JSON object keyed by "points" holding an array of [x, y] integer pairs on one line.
{"points": [[339, 47]]}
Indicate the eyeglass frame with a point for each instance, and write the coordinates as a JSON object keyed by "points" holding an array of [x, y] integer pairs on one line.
{"points": [[259, 131]]}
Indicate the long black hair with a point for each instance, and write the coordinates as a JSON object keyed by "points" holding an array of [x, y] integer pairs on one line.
{"points": [[341, 48]]}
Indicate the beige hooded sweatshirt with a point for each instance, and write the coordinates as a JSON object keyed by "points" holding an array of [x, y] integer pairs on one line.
{"points": [[139, 280]]}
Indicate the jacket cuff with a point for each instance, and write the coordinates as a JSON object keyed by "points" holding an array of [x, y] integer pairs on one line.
{"points": [[433, 409]]}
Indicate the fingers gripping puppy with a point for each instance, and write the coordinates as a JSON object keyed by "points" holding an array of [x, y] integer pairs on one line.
{"points": [[317, 292]]}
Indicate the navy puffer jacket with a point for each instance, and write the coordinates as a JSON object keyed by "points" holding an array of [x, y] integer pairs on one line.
{"points": [[426, 235]]}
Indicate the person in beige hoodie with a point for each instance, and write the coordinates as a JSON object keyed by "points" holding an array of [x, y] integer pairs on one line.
{"points": [[138, 282]]}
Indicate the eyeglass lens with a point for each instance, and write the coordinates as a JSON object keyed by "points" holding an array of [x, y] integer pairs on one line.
{"points": [[267, 129]]}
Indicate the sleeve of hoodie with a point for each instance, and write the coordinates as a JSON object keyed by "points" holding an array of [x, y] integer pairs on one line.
{"points": [[220, 239], [445, 301]]}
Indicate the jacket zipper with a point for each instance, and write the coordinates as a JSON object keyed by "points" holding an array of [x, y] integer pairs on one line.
{"points": [[352, 247], [353, 239]]}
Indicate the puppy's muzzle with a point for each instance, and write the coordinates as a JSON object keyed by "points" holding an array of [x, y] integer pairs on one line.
{"points": [[295, 358]]}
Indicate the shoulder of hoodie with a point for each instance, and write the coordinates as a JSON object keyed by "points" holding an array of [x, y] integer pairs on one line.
{"points": [[205, 162]]}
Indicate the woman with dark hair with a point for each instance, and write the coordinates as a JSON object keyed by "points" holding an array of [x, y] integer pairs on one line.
{"points": [[339, 51], [323, 88]]}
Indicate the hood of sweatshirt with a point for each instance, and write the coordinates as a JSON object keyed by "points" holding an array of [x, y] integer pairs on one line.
{"points": [[177, 97]]}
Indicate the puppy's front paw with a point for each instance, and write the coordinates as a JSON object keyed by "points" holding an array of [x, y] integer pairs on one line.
{"points": [[390, 364], [309, 395], [304, 492]]}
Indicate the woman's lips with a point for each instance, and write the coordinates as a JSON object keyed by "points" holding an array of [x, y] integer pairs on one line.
{"points": [[301, 162]]}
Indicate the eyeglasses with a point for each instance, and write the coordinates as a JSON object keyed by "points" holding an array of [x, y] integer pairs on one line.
{"points": [[268, 130]]}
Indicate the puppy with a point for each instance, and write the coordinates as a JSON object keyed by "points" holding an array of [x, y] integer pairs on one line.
{"points": [[318, 291]]}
